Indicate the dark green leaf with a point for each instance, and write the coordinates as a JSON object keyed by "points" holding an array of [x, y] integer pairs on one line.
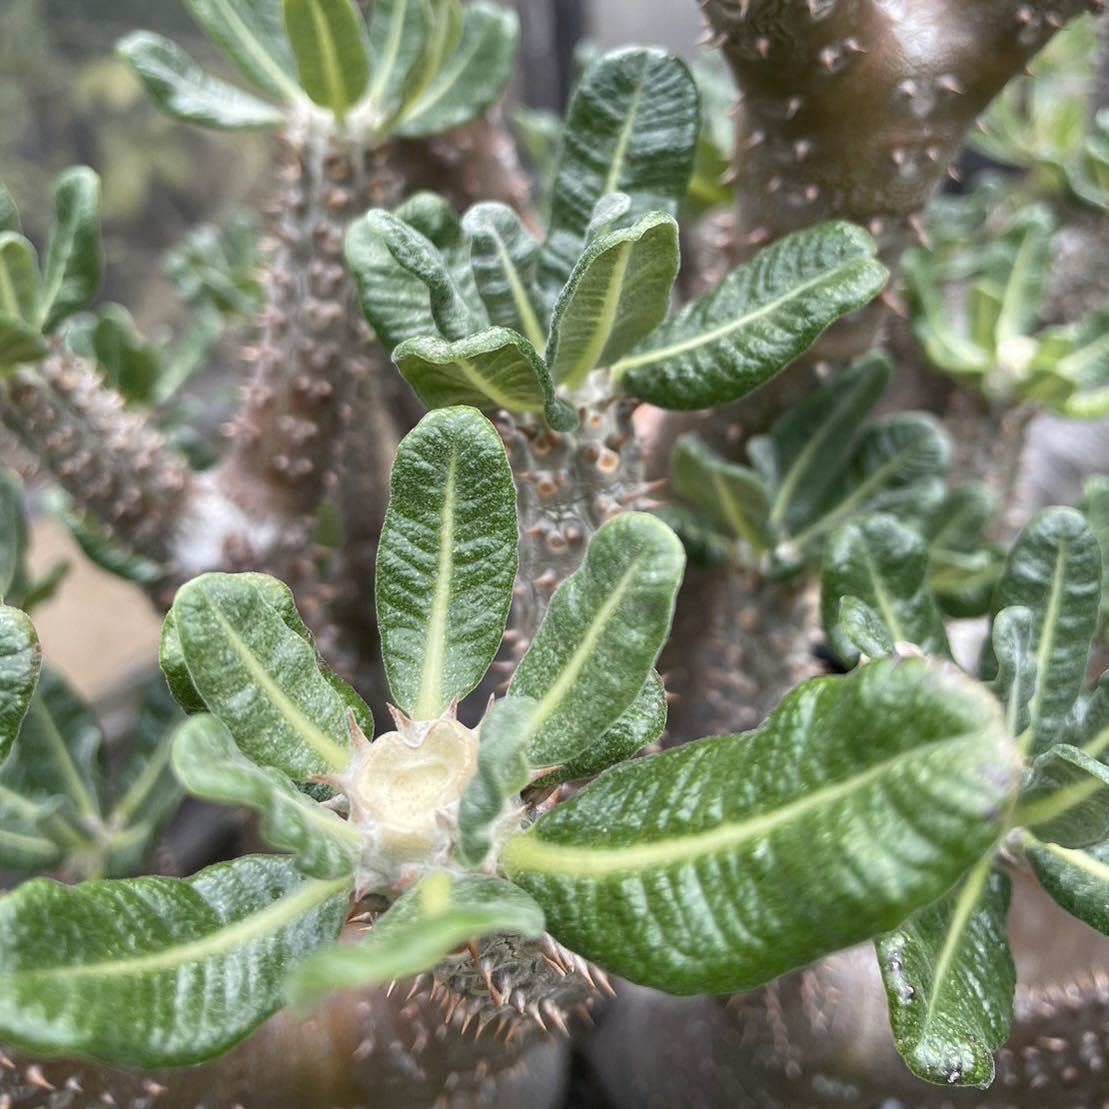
{"points": [[13, 532], [19, 342], [19, 278], [1014, 646], [20, 659], [1066, 798], [73, 254], [1077, 880], [732, 496], [9, 213], [861, 630], [328, 39]]}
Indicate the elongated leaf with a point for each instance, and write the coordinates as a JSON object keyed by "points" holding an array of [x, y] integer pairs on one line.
{"points": [[950, 982], [1095, 507], [1077, 880], [963, 567], [862, 630], [447, 560], [20, 659], [19, 278], [1070, 371], [1023, 264], [9, 213], [642, 723], [185, 91], [884, 564], [259, 677], [154, 972], [1066, 798], [423, 927], [329, 43], [471, 77], [1055, 571], [502, 771], [13, 533], [252, 34], [73, 255], [871, 793], [602, 634], [444, 30], [398, 34], [506, 264], [210, 766], [631, 128], [19, 342], [732, 496], [762, 316], [1014, 645], [618, 293]]}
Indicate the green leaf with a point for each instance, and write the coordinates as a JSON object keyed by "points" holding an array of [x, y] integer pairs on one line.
{"points": [[704, 546], [884, 564], [259, 677], [9, 213], [1066, 798], [447, 560], [506, 264], [19, 342], [1095, 507], [252, 34], [20, 659], [962, 567], [1014, 646], [186, 92], [1070, 371], [171, 659], [425, 925], [950, 982], [732, 496], [631, 128], [13, 533], [1054, 569], [73, 254], [1076, 880], [762, 316], [398, 35], [471, 78], [618, 293], [444, 31], [602, 633], [1023, 263], [156, 972], [872, 793], [328, 39], [642, 723], [19, 278], [502, 771], [210, 766], [945, 345], [131, 365], [861, 630]]}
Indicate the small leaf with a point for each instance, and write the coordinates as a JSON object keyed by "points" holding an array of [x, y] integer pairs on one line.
{"points": [[186, 92], [617, 295], [73, 254], [1014, 645], [171, 659], [950, 982], [9, 213], [884, 564], [602, 633], [631, 128], [131, 365], [20, 659], [328, 39], [424, 926], [470, 78], [963, 568], [762, 316], [1070, 371], [447, 560], [252, 34], [19, 278], [398, 35], [157, 972], [863, 630], [444, 31], [210, 766], [1023, 266], [1054, 569], [1066, 798], [19, 342], [1076, 880], [682, 871]]}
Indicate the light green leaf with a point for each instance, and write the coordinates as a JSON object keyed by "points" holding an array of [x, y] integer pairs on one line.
{"points": [[471, 78], [642, 723], [328, 39], [424, 926], [861, 630], [19, 278], [20, 659], [946, 347], [631, 128], [962, 567], [872, 793], [1076, 880], [156, 972], [252, 34], [185, 91], [13, 534], [398, 35], [210, 766], [602, 633], [131, 365], [443, 19], [1054, 569], [1014, 645], [1095, 507], [618, 293], [9, 213], [447, 560], [259, 677], [19, 342], [884, 564], [1070, 372], [1066, 798], [762, 316], [1022, 265], [73, 254], [732, 496], [506, 262], [950, 982], [502, 771]]}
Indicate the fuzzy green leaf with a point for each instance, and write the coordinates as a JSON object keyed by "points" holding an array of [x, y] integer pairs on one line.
{"points": [[762, 316], [13, 533], [1054, 569], [19, 342], [73, 255], [447, 560], [963, 568], [470, 78], [20, 659], [950, 982], [19, 278], [252, 34], [884, 564], [1076, 880], [210, 766], [328, 39], [861, 630], [424, 926], [155, 972], [1014, 646], [631, 128], [398, 36], [185, 91], [872, 793], [1066, 798], [603, 631]]}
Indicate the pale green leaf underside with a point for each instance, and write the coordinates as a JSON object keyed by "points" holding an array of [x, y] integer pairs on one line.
{"points": [[329, 44], [1014, 646], [733, 497], [20, 659]]}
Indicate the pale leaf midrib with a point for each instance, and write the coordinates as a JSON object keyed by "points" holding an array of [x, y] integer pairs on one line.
{"points": [[77, 788], [392, 52], [520, 298], [1046, 643], [333, 74], [485, 385], [888, 613], [444, 80], [257, 51], [605, 321], [623, 142], [732, 511], [1079, 859]]}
